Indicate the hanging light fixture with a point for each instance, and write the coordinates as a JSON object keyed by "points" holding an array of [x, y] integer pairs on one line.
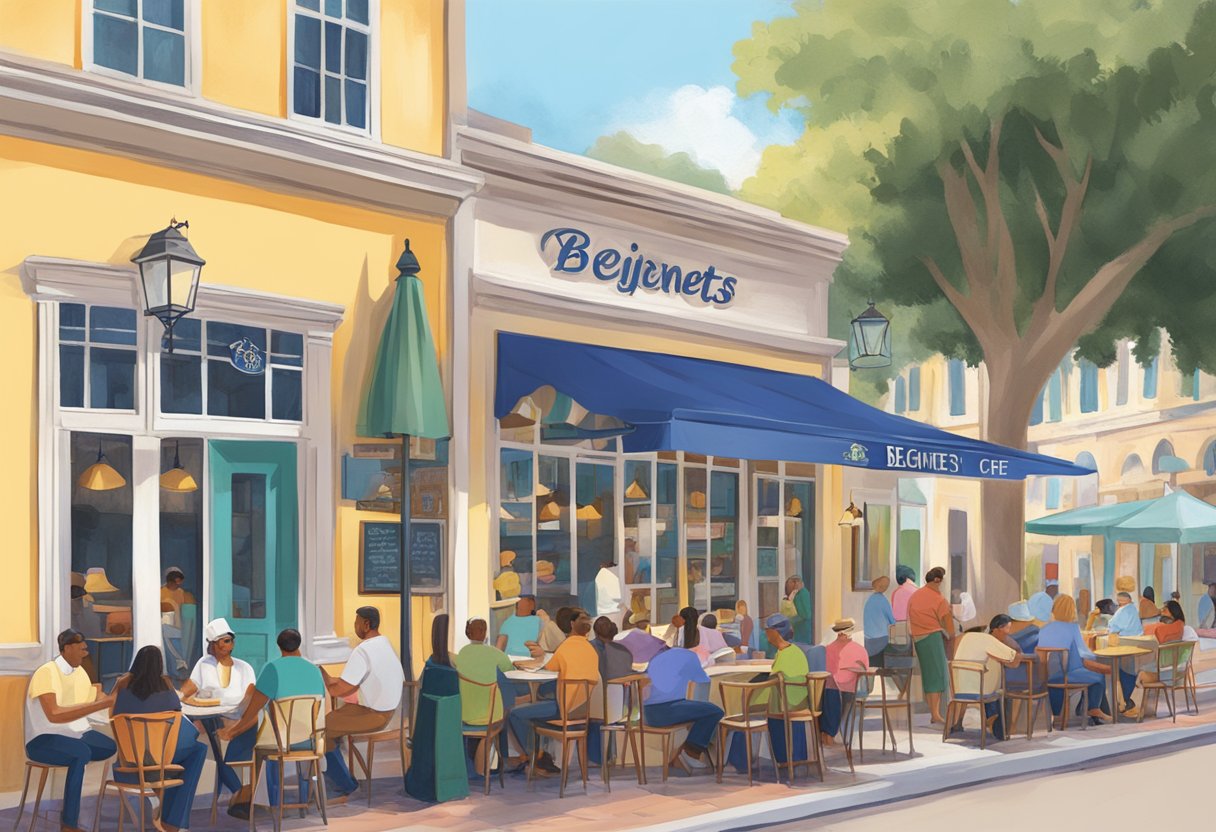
{"points": [[635, 491], [177, 479], [588, 512], [696, 499], [794, 509], [551, 511], [503, 514], [101, 475], [852, 516], [169, 269], [869, 340]]}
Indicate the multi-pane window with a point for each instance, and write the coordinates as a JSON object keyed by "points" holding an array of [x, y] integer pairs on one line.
{"points": [[142, 38], [330, 61], [958, 386], [233, 370], [97, 357]]}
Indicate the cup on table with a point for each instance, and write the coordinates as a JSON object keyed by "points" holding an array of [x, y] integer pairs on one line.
{"points": [[1112, 640], [206, 693]]}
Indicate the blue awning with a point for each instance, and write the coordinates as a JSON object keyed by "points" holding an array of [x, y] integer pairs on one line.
{"points": [[711, 407]]}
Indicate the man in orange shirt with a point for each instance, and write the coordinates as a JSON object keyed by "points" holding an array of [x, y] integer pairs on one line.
{"points": [[931, 625]]}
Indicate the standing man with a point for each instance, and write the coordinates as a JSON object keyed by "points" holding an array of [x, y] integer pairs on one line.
{"points": [[931, 624], [374, 672], [609, 593], [801, 597], [877, 618], [905, 586], [57, 732]]}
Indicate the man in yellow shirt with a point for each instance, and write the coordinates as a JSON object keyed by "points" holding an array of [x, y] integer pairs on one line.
{"points": [[57, 732], [574, 659]]}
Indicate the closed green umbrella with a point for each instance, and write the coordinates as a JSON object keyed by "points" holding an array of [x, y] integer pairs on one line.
{"points": [[405, 398]]}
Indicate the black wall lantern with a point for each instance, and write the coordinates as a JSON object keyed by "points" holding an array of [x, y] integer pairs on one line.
{"points": [[869, 340], [169, 269]]}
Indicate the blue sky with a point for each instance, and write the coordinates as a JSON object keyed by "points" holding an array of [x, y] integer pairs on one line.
{"points": [[573, 70]]}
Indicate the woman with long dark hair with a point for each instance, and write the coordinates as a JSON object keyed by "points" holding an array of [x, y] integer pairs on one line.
{"points": [[146, 690], [437, 768]]}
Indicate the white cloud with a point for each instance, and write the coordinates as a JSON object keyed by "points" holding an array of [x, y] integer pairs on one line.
{"points": [[702, 123]]}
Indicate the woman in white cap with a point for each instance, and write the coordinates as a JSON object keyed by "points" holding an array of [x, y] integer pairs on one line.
{"points": [[220, 675]]}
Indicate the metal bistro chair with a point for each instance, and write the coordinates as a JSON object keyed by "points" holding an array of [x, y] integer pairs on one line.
{"points": [[960, 703], [886, 691], [665, 733], [1060, 654], [146, 743], [44, 770], [1030, 692], [628, 721], [570, 727], [487, 732], [749, 718], [806, 716], [398, 731], [299, 737], [1173, 661]]}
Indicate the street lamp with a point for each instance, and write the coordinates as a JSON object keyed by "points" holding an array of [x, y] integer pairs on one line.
{"points": [[869, 340], [169, 268]]}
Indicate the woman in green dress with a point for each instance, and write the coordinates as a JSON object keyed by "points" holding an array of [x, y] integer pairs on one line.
{"points": [[437, 768]]}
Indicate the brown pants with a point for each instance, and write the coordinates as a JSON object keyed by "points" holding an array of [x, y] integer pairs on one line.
{"points": [[353, 719]]}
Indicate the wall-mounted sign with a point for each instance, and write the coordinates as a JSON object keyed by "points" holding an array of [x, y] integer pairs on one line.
{"points": [[572, 253], [247, 357]]}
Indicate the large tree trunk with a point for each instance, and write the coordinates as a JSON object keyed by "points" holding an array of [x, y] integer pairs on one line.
{"points": [[1011, 395]]}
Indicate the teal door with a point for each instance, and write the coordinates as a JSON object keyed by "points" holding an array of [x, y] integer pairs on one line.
{"points": [[254, 542]]}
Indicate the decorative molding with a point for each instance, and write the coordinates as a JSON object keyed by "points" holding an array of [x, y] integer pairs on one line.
{"points": [[51, 103]]}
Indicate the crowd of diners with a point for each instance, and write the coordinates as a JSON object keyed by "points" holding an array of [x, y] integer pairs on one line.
{"points": [[457, 689]]}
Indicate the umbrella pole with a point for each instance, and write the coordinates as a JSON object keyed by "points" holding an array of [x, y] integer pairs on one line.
{"points": [[407, 663]]}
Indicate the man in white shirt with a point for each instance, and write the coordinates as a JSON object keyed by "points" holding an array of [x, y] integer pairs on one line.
{"points": [[57, 732], [374, 672], [609, 593]]}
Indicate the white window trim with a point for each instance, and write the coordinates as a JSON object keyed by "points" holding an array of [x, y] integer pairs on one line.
{"points": [[783, 480], [49, 281], [193, 69], [319, 124]]}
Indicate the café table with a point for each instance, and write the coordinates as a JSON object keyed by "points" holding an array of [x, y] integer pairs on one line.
{"points": [[209, 717], [1116, 655]]}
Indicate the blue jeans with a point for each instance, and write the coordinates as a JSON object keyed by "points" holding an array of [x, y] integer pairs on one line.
{"points": [[190, 754], [57, 750], [704, 717], [338, 773], [240, 749], [1128, 683], [520, 719], [737, 754], [991, 709], [1097, 689]]}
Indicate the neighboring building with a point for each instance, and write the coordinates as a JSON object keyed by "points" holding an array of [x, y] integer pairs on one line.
{"points": [[1142, 427], [303, 141]]}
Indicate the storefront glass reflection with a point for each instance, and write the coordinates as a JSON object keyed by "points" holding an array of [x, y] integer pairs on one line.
{"points": [[181, 554]]}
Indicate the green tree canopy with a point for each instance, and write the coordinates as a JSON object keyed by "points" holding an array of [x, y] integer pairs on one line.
{"points": [[623, 149]]}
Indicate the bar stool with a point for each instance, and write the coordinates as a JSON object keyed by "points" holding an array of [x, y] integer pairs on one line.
{"points": [[44, 770]]}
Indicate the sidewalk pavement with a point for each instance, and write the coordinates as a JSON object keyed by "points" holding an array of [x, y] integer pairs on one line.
{"points": [[697, 802]]}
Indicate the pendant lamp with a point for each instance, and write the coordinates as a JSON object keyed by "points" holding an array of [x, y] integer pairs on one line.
{"points": [[177, 479], [588, 512], [794, 509], [636, 492], [852, 516], [551, 511], [101, 476]]}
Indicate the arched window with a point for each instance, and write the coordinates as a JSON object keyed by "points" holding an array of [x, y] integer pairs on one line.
{"points": [[1133, 469], [1087, 486], [1163, 449], [1209, 459]]}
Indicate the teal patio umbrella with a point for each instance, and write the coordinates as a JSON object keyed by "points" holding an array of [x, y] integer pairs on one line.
{"points": [[404, 397]]}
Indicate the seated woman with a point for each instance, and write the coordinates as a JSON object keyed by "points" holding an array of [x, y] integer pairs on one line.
{"points": [[1172, 627], [1100, 615], [1063, 632], [711, 640], [666, 699], [1148, 605], [146, 690], [437, 767], [220, 675]]}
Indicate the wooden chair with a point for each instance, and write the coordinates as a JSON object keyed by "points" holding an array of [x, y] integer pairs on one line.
{"points": [[665, 733], [1060, 654], [1173, 660], [570, 727], [628, 722], [487, 732], [1191, 689], [146, 744], [241, 767], [887, 692], [959, 703], [44, 770], [299, 738], [745, 719], [1030, 693], [397, 731], [806, 717]]}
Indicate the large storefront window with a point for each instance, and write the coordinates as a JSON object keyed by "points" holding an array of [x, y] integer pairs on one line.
{"points": [[97, 357], [785, 536]]}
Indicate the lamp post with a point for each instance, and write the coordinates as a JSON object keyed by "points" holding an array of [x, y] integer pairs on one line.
{"points": [[169, 269], [869, 340]]}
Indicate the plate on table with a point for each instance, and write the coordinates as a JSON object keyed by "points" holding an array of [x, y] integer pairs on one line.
{"points": [[202, 703]]}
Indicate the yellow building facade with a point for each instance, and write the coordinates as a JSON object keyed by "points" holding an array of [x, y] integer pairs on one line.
{"points": [[304, 141]]}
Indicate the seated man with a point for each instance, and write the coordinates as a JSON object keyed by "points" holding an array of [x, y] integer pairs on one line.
{"points": [[520, 629], [991, 651], [790, 661], [374, 672], [574, 659], [479, 662], [1126, 620], [57, 732], [289, 675]]}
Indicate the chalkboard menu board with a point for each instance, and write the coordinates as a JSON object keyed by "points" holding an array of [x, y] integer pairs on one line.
{"points": [[379, 551]]}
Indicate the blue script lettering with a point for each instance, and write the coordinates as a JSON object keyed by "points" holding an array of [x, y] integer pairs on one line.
{"points": [[634, 270]]}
